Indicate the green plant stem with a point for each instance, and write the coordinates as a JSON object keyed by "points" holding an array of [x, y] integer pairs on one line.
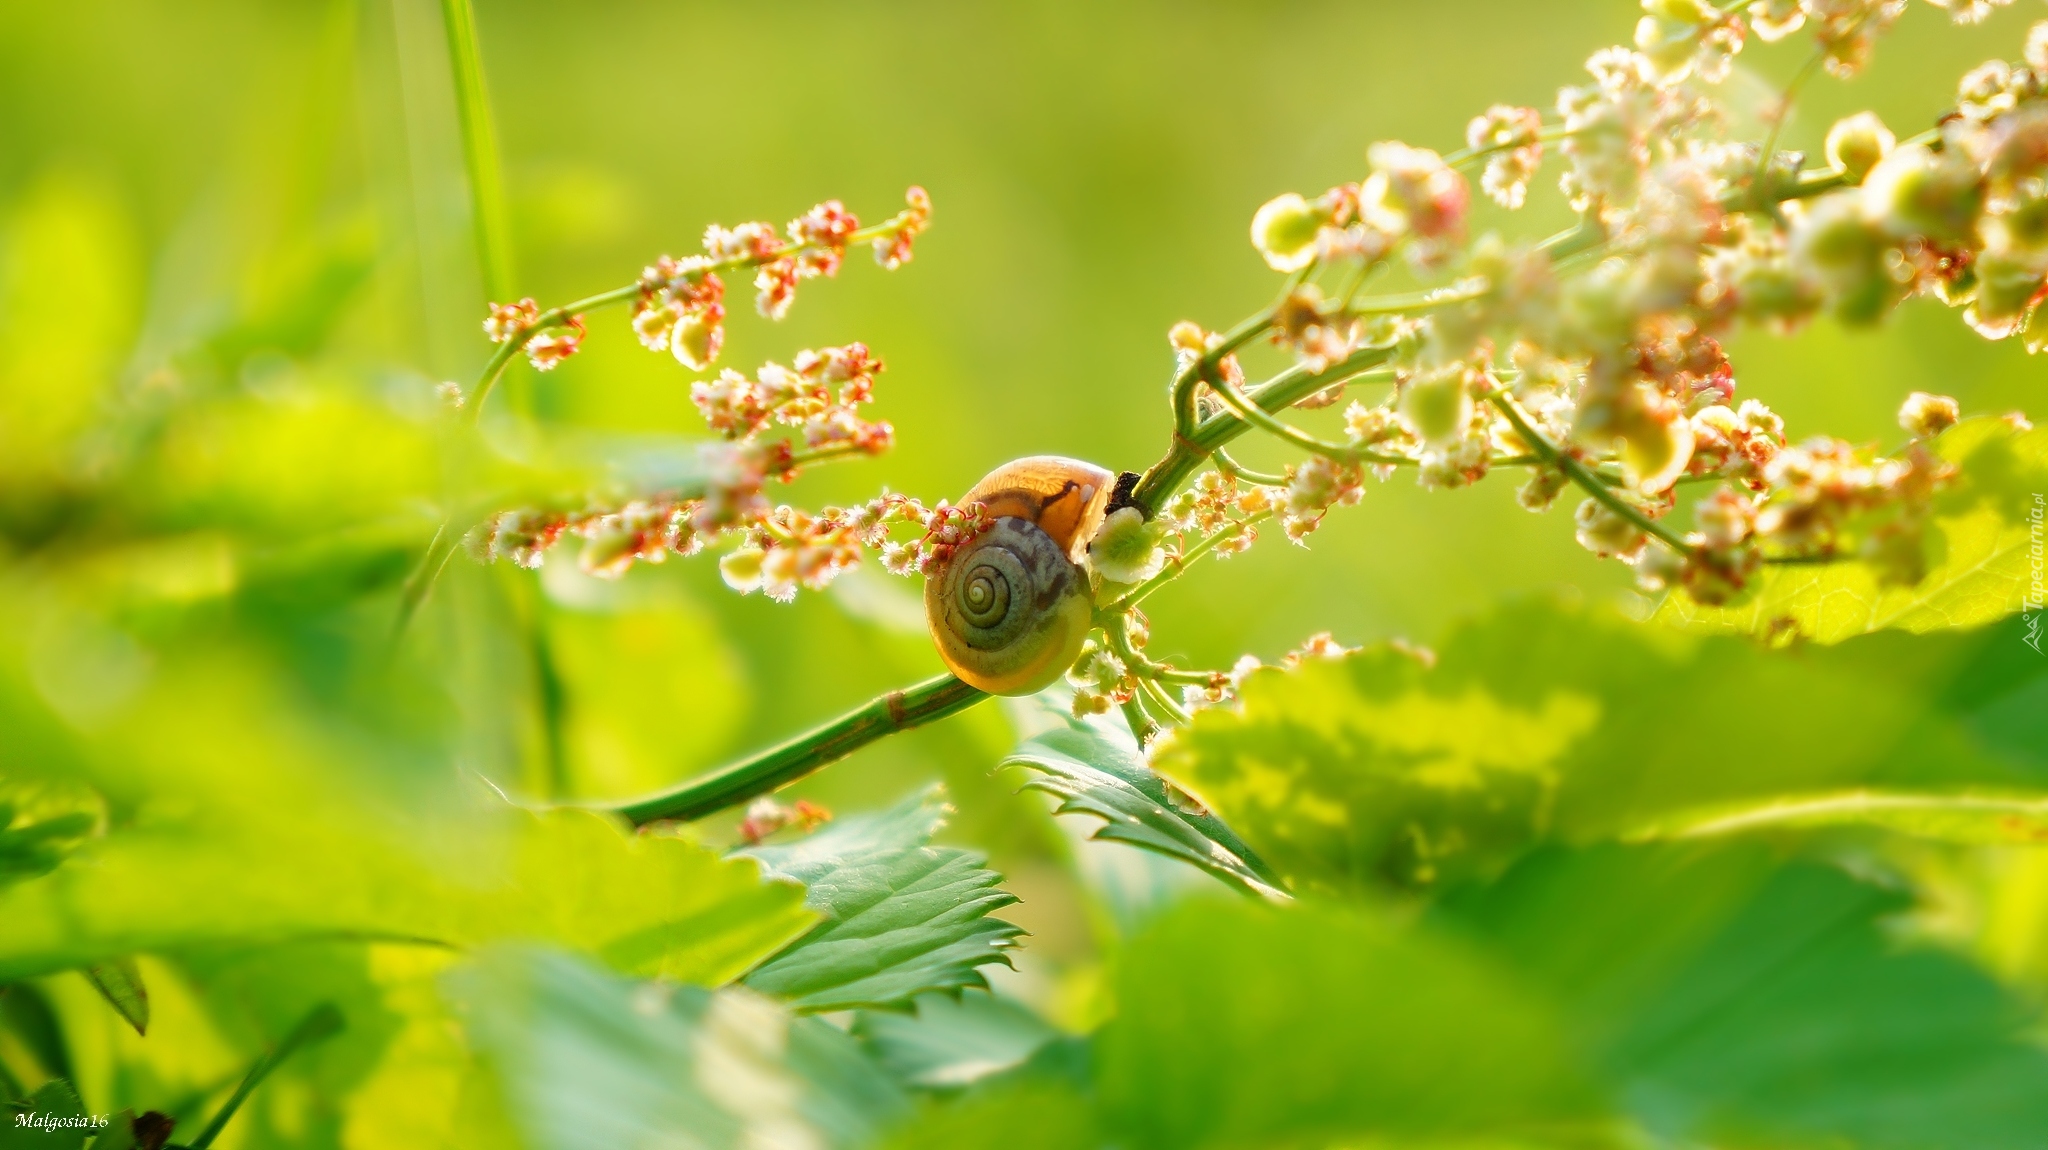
{"points": [[1142, 727], [323, 1021], [1588, 480], [1282, 391], [553, 317], [479, 148], [1465, 156], [1242, 407], [1239, 471], [780, 766]]}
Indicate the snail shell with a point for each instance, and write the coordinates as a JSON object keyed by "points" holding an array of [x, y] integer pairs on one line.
{"points": [[1012, 606]]}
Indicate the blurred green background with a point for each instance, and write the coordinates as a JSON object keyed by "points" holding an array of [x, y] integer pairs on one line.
{"points": [[237, 257]]}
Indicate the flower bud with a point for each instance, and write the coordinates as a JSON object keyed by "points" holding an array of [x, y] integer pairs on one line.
{"points": [[1917, 191], [1284, 230], [609, 554], [1857, 144], [2037, 47], [1126, 548], [742, 569], [1658, 568], [2021, 226], [1656, 440], [2006, 289], [1436, 406], [696, 340], [1667, 44], [1925, 416], [1544, 486], [1606, 534], [1726, 518], [1845, 253]]}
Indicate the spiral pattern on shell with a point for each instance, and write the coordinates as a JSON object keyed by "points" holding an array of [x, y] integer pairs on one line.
{"points": [[1011, 607], [1010, 610]]}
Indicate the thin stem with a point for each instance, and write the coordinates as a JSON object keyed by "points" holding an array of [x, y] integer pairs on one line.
{"points": [[553, 317], [1465, 156], [1769, 151], [1245, 409], [1142, 727], [779, 766], [1163, 702], [322, 1022], [1406, 303], [479, 149], [1587, 479], [1282, 391], [1239, 471], [1821, 560]]}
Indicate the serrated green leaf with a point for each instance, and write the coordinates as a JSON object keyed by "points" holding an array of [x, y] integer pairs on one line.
{"points": [[948, 1041], [902, 917], [119, 980], [1983, 571], [1092, 773], [1737, 1000], [51, 1119], [1252, 1024], [1545, 722], [585, 1059]]}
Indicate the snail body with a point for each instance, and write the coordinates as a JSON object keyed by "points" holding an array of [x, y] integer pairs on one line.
{"points": [[1011, 607]]}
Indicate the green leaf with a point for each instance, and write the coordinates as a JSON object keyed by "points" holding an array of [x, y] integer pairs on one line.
{"points": [[1981, 819], [902, 917], [1091, 772], [1252, 1024], [1544, 722], [951, 1040], [1737, 1000], [120, 981], [583, 1059], [646, 904], [1982, 572], [26, 1013], [52, 1119], [35, 847]]}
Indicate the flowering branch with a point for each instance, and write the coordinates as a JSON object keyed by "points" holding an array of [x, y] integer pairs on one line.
{"points": [[688, 293]]}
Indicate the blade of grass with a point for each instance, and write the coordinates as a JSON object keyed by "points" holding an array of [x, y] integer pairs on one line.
{"points": [[479, 149], [322, 1022]]}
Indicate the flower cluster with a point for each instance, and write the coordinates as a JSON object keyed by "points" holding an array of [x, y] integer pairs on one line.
{"points": [[1219, 511], [679, 304], [681, 310], [821, 394], [1512, 139], [780, 548], [941, 531], [547, 339], [788, 548], [1619, 381]]}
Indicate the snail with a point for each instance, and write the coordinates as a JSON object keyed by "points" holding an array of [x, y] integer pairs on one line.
{"points": [[1011, 607]]}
